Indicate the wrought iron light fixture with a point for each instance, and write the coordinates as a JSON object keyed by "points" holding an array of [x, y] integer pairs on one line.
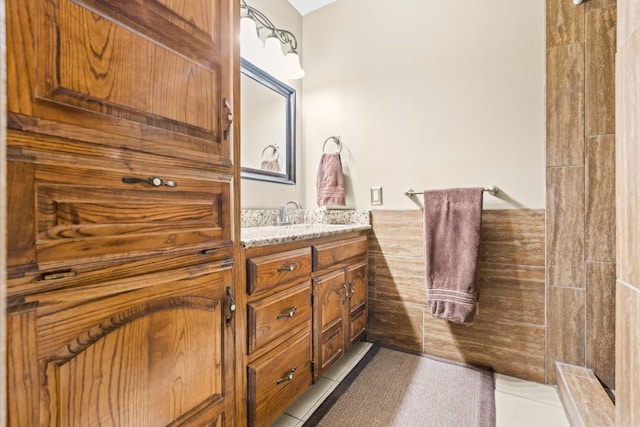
{"points": [[270, 56]]}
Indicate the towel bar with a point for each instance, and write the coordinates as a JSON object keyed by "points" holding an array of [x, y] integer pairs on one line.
{"points": [[493, 190]]}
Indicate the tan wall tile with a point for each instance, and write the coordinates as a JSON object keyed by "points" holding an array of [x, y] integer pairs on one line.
{"points": [[400, 279], [628, 20], [600, 218], [395, 323], [397, 232], [628, 163], [509, 348], [513, 237], [600, 312], [627, 355], [512, 293], [600, 71], [565, 328], [565, 105], [565, 23], [565, 227]]}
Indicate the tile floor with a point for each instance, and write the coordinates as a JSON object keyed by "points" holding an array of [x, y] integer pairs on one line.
{"points": [[519, 403]]}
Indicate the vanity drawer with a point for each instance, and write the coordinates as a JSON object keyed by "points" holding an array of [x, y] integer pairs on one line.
{"points": [[334, 253], [277, 380], [270, 318], [268, 271]]}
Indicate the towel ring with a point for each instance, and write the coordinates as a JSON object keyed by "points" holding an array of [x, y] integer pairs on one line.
{"points": [[275, 155], [335, 139]]}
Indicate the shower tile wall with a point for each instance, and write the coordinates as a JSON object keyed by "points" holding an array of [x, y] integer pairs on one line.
{"points": [[628, 206], [509, 331], [581, 186]]}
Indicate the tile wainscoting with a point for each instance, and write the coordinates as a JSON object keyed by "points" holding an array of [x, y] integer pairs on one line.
{"points": [[509, 331]]}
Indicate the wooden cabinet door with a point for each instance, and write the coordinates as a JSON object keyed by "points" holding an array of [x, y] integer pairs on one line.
{"points": [[330, 308], [357, 288], [151, 350], [149, 75]]}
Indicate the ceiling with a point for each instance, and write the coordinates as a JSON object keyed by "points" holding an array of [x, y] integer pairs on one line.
{"points": [[306, 6]]}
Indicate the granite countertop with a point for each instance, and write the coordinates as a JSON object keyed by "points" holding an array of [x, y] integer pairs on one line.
{"points": [[258, 229]]}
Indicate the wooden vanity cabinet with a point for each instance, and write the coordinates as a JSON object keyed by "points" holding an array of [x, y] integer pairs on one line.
{"points": [[340, 300], [306, 303], [278, 312]]}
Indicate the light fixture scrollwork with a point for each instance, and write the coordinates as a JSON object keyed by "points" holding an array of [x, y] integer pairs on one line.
{"points": [[270, 56]]}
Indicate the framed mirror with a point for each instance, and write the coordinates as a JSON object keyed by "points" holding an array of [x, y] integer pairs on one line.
{"points": [[268, 126]]}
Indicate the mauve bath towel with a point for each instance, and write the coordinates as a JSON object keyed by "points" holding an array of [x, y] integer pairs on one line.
{"points": [[330, 183], [452, 221]]}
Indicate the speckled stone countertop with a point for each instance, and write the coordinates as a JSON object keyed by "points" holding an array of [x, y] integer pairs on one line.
{"points": [[258, 227]]}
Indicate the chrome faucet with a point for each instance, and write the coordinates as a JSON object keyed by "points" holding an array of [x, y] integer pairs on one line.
{"points": [[283, 216]]}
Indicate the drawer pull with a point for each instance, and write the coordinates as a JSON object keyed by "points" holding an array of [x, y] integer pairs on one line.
{"points": [[290, 313], [153, 180], [290, 267], [289, 377], [56, 275]]}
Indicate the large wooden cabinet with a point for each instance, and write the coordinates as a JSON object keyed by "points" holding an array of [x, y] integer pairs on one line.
{"points": [[121, 240]]}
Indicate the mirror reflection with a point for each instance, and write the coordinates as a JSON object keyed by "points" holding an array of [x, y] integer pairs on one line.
{"points": [[267, 126]]}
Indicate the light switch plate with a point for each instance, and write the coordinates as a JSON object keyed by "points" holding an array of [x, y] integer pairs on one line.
{"points": [[376, 195]]}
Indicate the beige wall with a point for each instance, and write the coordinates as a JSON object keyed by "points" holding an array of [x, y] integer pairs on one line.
{"points": [[580, 159], [424, 94], [427, 94], [628, 206]]}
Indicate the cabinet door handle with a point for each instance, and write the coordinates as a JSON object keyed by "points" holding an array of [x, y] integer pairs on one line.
{"points": [[154, 181], [232, 305], [55, 276], [290, 267], [346, 293], [226, 104], [290, 313], [288, 377], [352, 287]]}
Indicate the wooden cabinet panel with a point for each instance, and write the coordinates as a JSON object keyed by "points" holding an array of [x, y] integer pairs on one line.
{"points": [[275, 382], [330, 309], [155, 73], [272, 317], [268, 271], [159, 353], [357, 285], [336, 254], [86, 215]]}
